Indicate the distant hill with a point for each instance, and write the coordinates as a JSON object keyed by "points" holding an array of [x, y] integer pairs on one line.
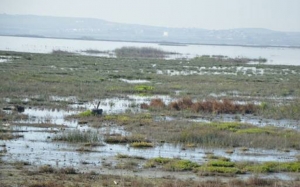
{"points": [[97, 29]]}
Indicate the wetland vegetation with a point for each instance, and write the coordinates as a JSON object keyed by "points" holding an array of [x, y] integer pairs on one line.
{"points": [[198, 105]]}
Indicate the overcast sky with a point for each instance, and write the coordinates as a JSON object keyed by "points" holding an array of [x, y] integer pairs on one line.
{"points": [[282, 15]]}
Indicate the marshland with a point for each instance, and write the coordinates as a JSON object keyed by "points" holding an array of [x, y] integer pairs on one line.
{"points": [[200, 121]]}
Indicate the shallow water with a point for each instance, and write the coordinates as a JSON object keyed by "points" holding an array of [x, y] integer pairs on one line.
{"points": [[275, 55], [120, 104], [254, 120], [37, 147], [135, 81]]}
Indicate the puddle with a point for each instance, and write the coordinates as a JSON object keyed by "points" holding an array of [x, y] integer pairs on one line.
{"points": [[135, 81], [4, 59], [120, 104], [67, 99], [52, 116]]}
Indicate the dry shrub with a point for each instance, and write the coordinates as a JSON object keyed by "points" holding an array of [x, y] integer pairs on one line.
{"points": [[185, 103], [46, 184], [174, 105], [144, 106], [212, 183], [157, 103]]}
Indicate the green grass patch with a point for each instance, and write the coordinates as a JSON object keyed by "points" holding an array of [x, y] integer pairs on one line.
{"points": [[269, 167], [143, 88], [141, 145], [170, 164], [220, 163], [210, 170], [256, 130], [86, 113]]}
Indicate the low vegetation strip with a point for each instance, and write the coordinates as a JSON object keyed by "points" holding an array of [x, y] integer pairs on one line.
{"points": [[219, 166], [143, 52]]}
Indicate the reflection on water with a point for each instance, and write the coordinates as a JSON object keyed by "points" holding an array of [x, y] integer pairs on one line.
{"points": [[275, 55]]}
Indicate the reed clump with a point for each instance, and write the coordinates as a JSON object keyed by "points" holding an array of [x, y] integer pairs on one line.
{"points": [[77, 136], [224, 106]]}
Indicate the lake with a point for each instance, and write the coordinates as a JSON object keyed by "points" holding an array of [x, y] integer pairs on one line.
{"points": [[274, 55]]}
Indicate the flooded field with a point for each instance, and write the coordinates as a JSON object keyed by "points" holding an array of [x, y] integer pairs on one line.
{"points": [[181, 119]]}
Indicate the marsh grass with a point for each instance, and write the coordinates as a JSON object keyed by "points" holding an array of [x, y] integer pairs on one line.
{"points": [[59, 177], [63, 75], [232, 134], [288, 110], [50, 169], [95, 51], [77, 136]]}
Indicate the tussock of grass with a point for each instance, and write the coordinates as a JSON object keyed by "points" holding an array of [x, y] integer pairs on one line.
{"points": [[143, 88], [169, 164], [50, 169], [125, 139], [130, 157], [142, 144], [220, 163]]}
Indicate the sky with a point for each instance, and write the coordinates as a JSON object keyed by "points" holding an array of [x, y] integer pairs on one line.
{"points": [[280, 15]]}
